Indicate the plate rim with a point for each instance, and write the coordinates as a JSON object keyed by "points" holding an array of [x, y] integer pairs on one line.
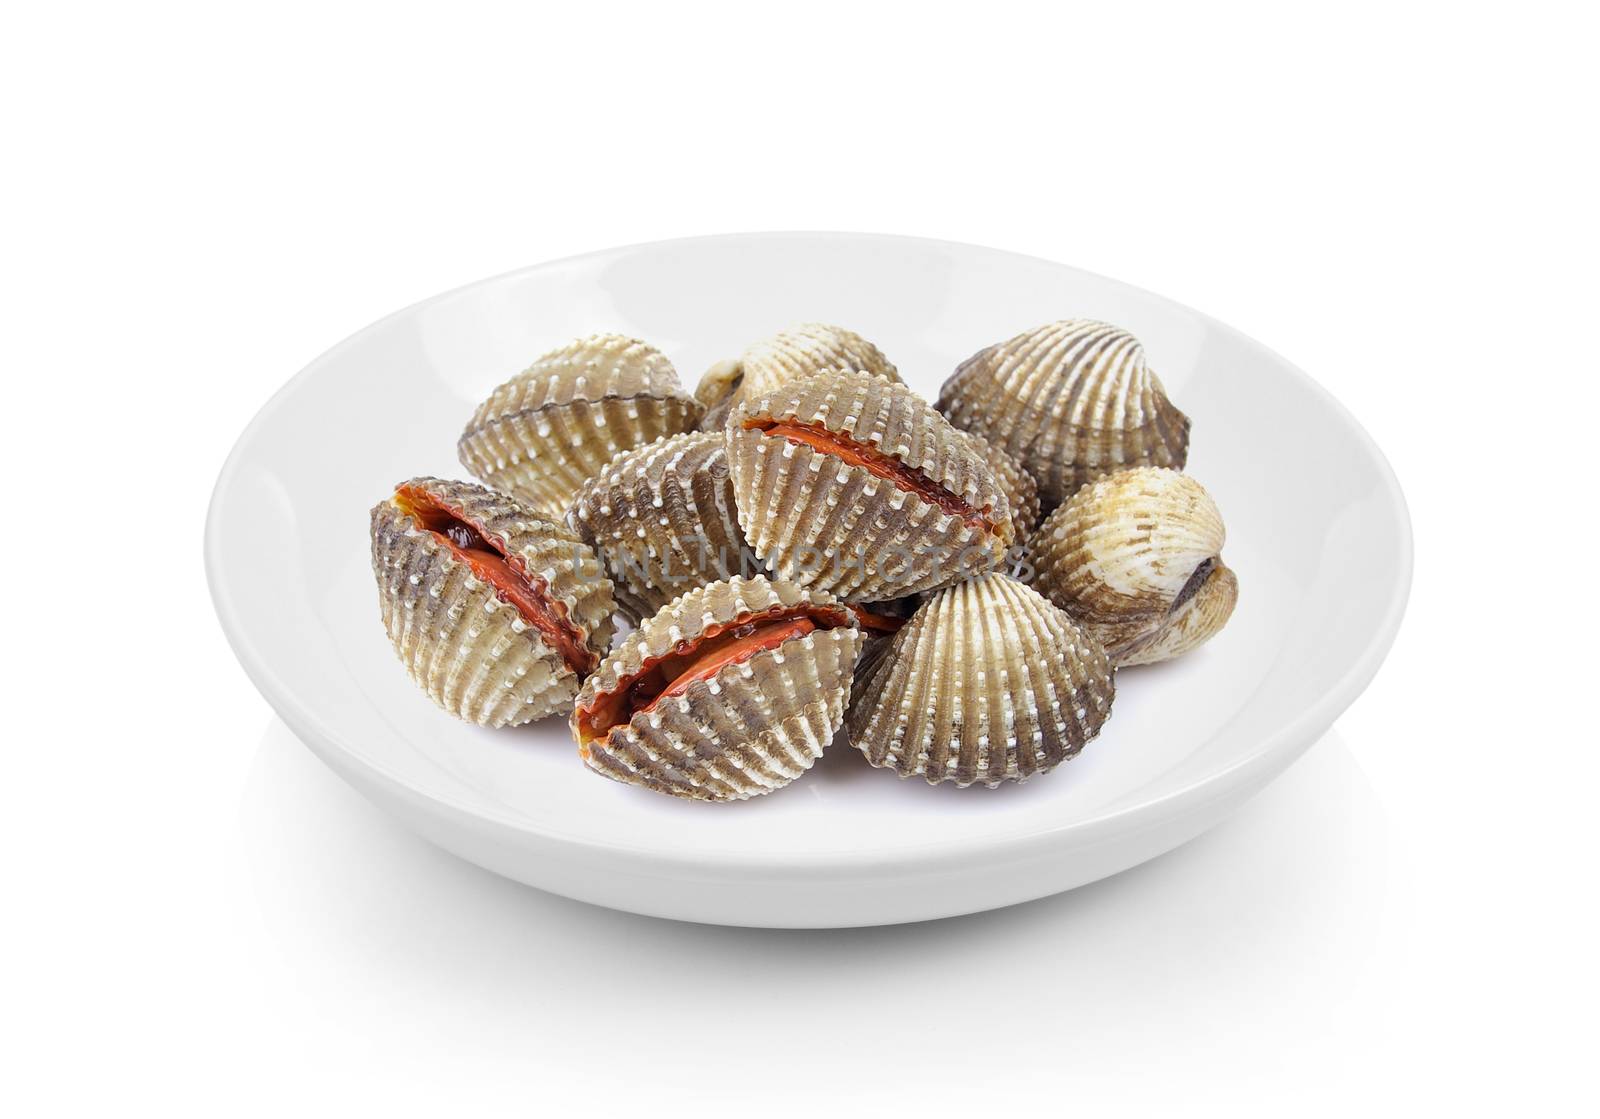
{"points": [[1313, 720]]}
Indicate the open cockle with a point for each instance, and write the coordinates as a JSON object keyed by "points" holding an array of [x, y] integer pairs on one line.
{"points": [[496, 613], [790, 355], [730, 691], [548, 430], [852, 484], [662, 518], [1136, 559], [987, 682], [1071, 401]]}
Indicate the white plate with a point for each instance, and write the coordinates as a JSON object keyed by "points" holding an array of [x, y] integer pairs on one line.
{"points": [[1317, 531]]}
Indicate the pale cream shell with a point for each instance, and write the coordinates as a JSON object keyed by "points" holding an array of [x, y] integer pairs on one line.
{"points": [[753, 727], [790, 355], [663, 520], [1136, 558], [1071, 401], [467, 648], [987, 683], [1197, 620], [541, 435], [838, 527]]}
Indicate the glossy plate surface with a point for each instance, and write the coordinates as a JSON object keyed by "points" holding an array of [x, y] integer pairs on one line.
{"points": [[1317, 532]]}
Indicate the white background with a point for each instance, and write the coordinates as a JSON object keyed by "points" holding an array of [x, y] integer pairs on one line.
{"points": [[199, 199]]}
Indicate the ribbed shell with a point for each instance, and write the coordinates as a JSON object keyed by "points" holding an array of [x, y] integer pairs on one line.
{"points": [[988, 683], [840, 528], [548, 430], [1119, 554], [790, 355], [662, 518], [1021, 489], [1071, 401], [753, 727], [467, 648]]}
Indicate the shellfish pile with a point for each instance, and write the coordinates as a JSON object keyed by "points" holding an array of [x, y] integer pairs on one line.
{"points": [[803, 545]]}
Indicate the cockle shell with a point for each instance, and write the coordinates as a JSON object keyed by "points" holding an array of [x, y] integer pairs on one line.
{"points": [[754, 726], [1136, 559], [469, 648], [548, 430], [987, 683], [662, 518], [798, 352], [1020, 488], [835, 525], [1071, 400]]}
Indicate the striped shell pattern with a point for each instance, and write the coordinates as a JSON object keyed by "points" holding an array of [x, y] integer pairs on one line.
{"points": [[548, 430], [464, 645], [988, 683], [1072, 401], [790, 355]]}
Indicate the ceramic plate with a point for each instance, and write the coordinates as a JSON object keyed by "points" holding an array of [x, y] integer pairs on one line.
{"points": [[1317, 532]]}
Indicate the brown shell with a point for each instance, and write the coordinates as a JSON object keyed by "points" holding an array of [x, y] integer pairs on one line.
{"points": [[1136, 558], [1021, 489], [466, 647], [753, 727], [1071, 401], [835, 526], [662, 518], [790, 355], [987, 683], [548, 430]]}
